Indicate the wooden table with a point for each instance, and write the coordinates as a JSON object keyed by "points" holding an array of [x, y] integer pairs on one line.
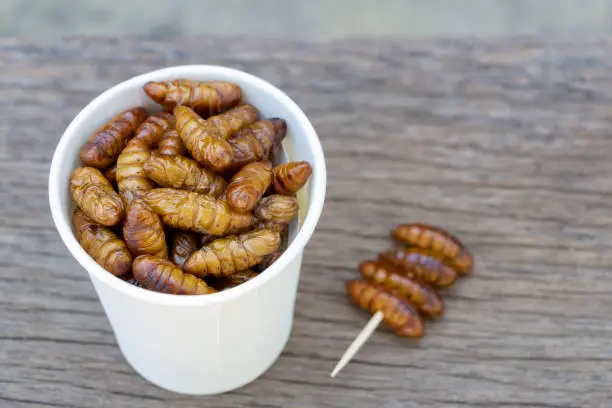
{"points": [[507, 144]]}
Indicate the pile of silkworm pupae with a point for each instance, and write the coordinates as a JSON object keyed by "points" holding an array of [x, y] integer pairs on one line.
{"points": [[186, 200], [403, 282]]}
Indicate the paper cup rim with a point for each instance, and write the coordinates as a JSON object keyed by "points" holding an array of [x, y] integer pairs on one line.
{"points": [[317, 196]]}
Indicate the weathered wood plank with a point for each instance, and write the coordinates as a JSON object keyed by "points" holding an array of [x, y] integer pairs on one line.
{"points": [[505, 143]]}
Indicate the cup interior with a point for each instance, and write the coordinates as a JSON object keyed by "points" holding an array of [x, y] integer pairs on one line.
{"points": [[300, 143]]}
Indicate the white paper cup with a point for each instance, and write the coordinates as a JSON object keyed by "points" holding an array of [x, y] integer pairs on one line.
{"points": [[205, 344]]}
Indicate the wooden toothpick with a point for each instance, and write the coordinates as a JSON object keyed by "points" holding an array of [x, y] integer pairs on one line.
{"points": [[359, 341]]}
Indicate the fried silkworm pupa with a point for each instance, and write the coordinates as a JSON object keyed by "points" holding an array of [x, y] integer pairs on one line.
{"points": [[437, 240], [419, 294], [420, 264], [143, 231], [153, 129], [206, 239], [227, 124], [183, 173], [161, 275], [184, 243], [225, 256], [271, 225], [399, 315], [290, 177], [101, 244], [268, 260], [249, 185], [171, 144], [202, 140], [129, 278], [111, 174], [95, 196], [231, 281], [206, 98], [132, 180], [277, 208], [192, 211], [254, 142], [105, 144]]}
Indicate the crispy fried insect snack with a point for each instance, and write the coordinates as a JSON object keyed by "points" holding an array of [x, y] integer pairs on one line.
{"points": [[268, 260], [422, 296], [153, 129], [420, 264], [255, 142], [399, 315], [94, 195], [202, 140], [206, 98], [227, 124], [105, 144], [249, 185], [277, 208], [129, 278], [161, 275], [101, 244], [184, 243], [206, 239], [290, 177], [437, 240], [192, 211], [271, 225], [132, 180], [225, 256], [183, 173], [143, 230], [231, 281], [111, 174], [171, 144]]}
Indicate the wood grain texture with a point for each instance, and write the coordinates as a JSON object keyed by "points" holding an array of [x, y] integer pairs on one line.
{"points": [[506, 144]]}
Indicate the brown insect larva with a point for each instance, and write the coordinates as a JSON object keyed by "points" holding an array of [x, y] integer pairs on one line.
{"points": [[249, 185], [271, 225], [254, 142], [132, 181], [227, 124], [420, 264], [202, 140], [183, 173], [111, 174], [129, 278], [398, 314], [269, 259], [101, 244], [161, 275], [192, 211], [437, 240], [422, 296], [184, 243], [105, 144], [231, 281], [225, 256], [290, 177], [206, 239], [143, 231], [171, 144], [154, 127], [94, 195], [277, 208], [206, 98]]}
